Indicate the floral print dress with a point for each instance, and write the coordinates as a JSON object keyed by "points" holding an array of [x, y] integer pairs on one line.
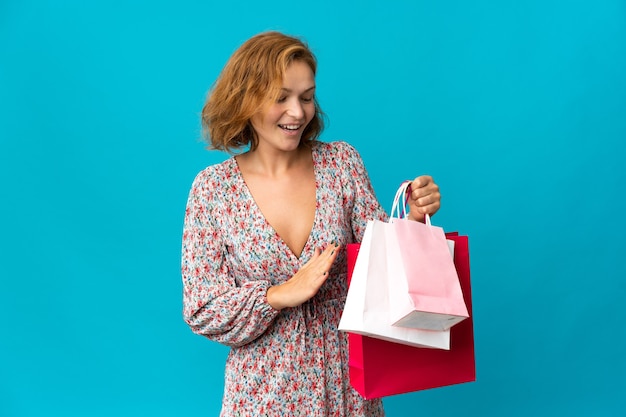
{"points": [[292, 362]]}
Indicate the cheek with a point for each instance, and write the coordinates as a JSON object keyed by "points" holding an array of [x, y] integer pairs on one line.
{"points": [[310, 111], [265, 123], [257, 121]]}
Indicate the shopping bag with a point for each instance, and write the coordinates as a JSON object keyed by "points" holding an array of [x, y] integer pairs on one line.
{"points": [[366, 310], [424, 289], [379, 368]]}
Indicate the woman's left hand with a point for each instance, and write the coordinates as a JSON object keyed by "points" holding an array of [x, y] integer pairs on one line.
{"points": [[424, 198]]}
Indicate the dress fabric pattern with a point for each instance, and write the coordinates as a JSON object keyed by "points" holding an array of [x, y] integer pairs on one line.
{"points": [[292, 362]]}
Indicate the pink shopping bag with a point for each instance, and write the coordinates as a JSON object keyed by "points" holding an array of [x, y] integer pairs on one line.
{"points": [[424, 288]]}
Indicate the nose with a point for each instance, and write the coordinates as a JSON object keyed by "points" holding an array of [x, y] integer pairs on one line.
{"points": [[295, 109]]}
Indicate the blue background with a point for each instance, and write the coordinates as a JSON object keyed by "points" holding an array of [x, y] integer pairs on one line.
{"points": [[518, 109]]}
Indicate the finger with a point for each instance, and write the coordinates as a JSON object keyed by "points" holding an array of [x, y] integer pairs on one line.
{"points": [[333, 256], [325, 261], [317, 254], [330, 249], [321, 278], [421, 181], [318, 258], [432, 198], [429, 209], [431, 189]]}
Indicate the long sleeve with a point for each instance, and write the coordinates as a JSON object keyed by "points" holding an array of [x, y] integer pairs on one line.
{"points": [[365, 204], [213, 304]]}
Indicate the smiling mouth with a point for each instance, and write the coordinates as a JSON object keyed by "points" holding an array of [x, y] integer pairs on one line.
{"points": [[290, 128]]}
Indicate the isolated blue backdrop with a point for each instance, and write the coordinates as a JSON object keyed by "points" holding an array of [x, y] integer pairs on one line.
{"points": [[518, 109]]}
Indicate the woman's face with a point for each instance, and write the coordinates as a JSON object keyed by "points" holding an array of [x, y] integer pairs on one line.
{"points": [[280, 124]]}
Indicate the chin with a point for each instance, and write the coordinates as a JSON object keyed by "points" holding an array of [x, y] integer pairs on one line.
{"points": [[292, 143]]}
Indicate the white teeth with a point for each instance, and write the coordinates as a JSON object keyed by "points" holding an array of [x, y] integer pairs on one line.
{"points": [[290, 127]]}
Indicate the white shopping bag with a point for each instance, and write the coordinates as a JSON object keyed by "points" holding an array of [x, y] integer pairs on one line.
{"points": [[367, 308]]}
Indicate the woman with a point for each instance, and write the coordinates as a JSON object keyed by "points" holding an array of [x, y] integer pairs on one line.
{"points": [[263, 267]]}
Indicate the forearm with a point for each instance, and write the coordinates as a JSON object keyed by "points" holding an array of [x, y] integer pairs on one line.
{"points": [[235, 317], [275, 299]]}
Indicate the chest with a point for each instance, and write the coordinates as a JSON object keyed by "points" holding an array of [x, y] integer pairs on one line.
{"points": [[288, 205], [262, 224]]}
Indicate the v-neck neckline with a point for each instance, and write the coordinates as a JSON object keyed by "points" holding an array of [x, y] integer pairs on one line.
{"points": [[267, 224]]}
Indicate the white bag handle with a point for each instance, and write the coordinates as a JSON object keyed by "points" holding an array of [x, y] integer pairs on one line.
{"points": [[400, 201], [400, 198]]}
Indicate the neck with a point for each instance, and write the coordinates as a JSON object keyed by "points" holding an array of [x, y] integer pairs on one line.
{"points": [[272, 162]]}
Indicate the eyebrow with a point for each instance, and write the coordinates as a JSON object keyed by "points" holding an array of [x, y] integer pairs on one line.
{"points": [[286, 90]]}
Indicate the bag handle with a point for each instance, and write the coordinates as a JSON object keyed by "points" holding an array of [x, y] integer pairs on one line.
{"points": [[400, 201]]}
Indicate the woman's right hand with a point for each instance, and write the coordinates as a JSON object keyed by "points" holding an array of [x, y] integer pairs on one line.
{"points": [[306, 282]]}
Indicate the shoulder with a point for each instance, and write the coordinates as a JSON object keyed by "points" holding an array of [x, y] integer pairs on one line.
{"points": [[337, 150], [214, 176]]}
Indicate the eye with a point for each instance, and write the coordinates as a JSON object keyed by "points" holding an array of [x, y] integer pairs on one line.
{"points": [[307, 99], [281, 99]]}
